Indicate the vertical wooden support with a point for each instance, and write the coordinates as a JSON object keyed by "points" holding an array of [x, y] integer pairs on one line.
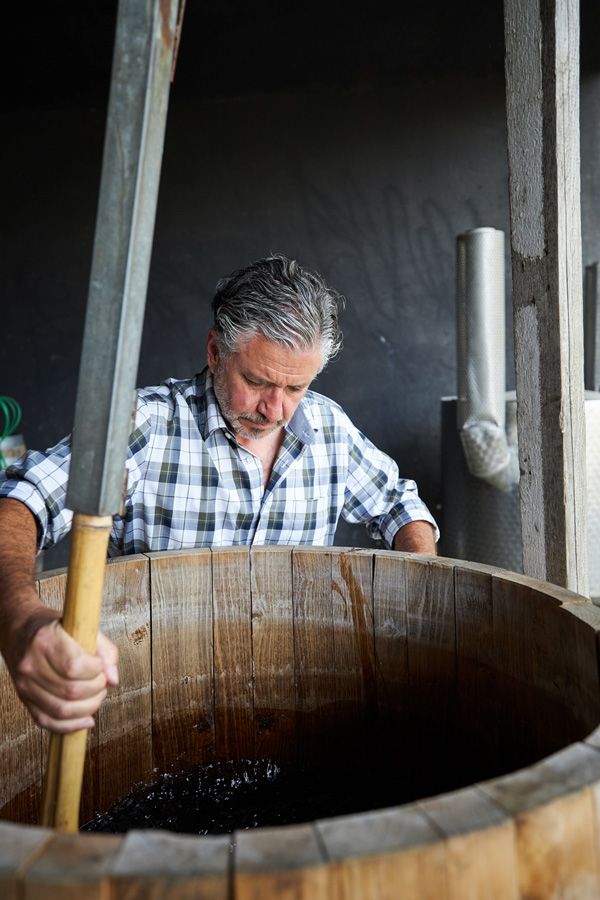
{"points": [[542, 97]]}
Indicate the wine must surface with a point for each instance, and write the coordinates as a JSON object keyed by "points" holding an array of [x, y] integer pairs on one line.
{"points": [[223, 797]]}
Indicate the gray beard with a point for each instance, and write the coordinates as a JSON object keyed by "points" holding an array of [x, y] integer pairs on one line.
{"points": [[235, 422]]}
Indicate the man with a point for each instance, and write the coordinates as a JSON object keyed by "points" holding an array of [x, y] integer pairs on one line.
{"points": [[243, 453]]}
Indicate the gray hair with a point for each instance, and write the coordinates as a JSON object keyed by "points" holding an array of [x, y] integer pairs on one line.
{"points": [[277, 299]]}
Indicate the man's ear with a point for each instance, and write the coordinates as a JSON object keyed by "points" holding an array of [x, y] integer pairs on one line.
{"points": [[212, 350]]}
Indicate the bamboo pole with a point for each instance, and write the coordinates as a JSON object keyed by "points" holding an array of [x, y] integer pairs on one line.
{"points": [[85, 580]]}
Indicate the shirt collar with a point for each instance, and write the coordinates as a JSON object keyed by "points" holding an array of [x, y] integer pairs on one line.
{"points": [[300, 425]]}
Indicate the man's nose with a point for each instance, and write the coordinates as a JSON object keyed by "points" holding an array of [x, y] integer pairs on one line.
{"points": [[271, 404]]}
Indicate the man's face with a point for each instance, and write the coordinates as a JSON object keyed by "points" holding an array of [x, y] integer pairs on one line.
{"points": [[259, 387]]}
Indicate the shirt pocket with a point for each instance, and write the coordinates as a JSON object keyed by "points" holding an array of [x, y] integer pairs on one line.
{"points": [[301, 518]]}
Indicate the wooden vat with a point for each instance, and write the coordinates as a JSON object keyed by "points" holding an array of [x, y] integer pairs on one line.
{"points": [[489, 679]]}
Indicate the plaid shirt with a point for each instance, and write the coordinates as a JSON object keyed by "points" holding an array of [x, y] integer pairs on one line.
{"points": [[191, 484]]}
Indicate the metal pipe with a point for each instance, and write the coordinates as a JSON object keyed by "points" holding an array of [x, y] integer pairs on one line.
{"points": [[481, 366]]}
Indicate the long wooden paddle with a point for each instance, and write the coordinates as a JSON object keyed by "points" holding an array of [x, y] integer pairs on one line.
{"points": [[142, 66]]}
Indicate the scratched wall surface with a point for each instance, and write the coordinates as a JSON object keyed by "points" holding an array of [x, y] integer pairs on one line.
{"points": [[368, 183]]}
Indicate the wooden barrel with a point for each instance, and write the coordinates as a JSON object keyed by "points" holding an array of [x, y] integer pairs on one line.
{"points": [[488, 680]]}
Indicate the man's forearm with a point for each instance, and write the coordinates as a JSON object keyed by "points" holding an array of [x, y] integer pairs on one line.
{"points": [[18, 543], [21, 611], [61, 685], [416, 537]]}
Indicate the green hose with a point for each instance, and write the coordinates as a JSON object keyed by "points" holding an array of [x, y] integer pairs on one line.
{"points": [[12, 417]]}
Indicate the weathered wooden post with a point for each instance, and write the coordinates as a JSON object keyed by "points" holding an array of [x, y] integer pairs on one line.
{"points": [[542, 98]]}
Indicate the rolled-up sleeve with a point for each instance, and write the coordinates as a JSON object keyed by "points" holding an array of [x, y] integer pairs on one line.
{"points": [[377, 495], [39, 480]]}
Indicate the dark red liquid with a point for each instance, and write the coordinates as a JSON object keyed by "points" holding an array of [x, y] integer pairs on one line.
{"points": [[223, 797]]}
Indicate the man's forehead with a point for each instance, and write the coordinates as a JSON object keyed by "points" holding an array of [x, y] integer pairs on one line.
{"points": [[272, 363]]}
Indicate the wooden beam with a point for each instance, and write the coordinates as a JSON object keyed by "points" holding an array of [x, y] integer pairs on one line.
{"points": [[542, 98]]}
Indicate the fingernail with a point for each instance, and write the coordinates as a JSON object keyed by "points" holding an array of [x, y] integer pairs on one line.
{"points": [[113, 675]]}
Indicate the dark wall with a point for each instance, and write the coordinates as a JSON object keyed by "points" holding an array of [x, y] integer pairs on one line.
{"points": [[365, 169]]}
